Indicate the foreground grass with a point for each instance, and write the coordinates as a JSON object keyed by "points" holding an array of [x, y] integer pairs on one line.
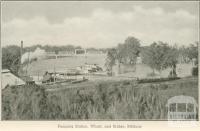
{"points": [[106, 100]]}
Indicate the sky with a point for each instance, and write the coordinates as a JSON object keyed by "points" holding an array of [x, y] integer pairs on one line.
{"points": [[98, 24]]}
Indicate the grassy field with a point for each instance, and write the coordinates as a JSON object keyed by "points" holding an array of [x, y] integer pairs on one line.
{"points": [[106, 100]]}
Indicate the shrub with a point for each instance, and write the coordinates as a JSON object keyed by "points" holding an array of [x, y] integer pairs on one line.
{"points": [[195, 71], [157, 80], [24, 103], [152, 74]]}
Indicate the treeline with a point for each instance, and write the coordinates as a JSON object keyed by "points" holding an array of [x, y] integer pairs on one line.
{"points": [[158, 55], [56, 49]]}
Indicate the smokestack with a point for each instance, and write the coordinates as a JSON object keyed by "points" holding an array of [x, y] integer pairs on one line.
{"points": [[21, 51]]}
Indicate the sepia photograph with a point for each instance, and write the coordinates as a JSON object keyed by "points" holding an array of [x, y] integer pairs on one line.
{"points": [[99, 60]]}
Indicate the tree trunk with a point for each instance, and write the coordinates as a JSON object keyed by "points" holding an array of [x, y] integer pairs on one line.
{"points": [[174, 71]]}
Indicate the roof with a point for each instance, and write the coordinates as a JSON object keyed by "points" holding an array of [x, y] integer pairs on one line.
{"points": [[181, 99], [10, 79]]}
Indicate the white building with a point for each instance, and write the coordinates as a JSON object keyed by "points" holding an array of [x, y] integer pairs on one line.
{"points": [[7, 78]]}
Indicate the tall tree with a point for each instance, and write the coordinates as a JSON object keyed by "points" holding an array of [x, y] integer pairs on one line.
{"points": [[110, 60], [129, 51], [171, 60], [160, 56], [192, 51], [154, 55], [11, 58], [126, 53]]}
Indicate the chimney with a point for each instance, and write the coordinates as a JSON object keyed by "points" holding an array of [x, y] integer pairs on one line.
{"points": [[21, 51]]}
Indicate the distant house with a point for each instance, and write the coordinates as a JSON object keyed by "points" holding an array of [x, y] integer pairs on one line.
{"points": [[9, 79]]}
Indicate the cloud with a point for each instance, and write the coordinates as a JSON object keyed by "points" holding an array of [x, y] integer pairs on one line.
{"points": [[105, 28]]}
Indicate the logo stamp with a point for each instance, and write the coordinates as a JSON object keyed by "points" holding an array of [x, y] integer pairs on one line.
{"points": [[182, 111]]}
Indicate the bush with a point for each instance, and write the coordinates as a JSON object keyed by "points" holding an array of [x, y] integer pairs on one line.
{"points": [[23, 102], [157, 80], [195, 71], [152, 74]]}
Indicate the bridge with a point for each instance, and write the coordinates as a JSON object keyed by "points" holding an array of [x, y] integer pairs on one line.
{"points": [[53, 55], [60, 54], [76, 52]]}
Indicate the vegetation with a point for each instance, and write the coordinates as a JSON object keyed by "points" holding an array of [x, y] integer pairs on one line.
{"points": [[126, 53], [157, 80], [195, 71], [129, 51], [190, 52], [108, 100], [160, 56], [11, 58], [56, 49], [110, 60]]}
